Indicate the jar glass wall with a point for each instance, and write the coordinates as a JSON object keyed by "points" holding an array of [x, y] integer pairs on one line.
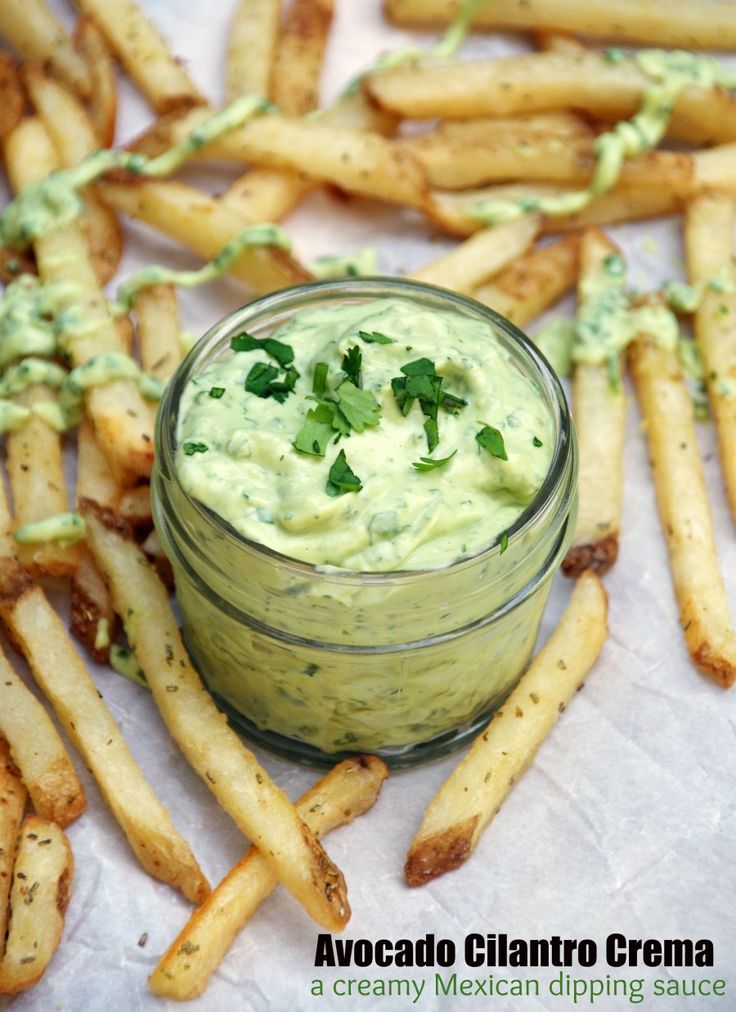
{"points": [[317, 662]]}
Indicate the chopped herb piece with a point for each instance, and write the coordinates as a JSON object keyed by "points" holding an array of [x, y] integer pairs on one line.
{"points": [[317, 430], [420, 367], [433, 434], [537, 442], [614, 265], [504, 542], [492, 440], [452, 403], [359, 408], [342, 478], [217, 392], [352, 362], [421, 382], [427, 464], [375, 338], [319, 381], [191, 448], [263, 381], [283, 353]]}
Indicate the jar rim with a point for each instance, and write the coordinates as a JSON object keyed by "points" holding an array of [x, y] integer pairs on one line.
{"points": [[366, 287]]}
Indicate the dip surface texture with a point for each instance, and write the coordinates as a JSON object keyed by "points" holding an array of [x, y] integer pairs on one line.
{"points": [[236, 451]]}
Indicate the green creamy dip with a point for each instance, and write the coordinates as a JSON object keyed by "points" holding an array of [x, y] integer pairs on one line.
{"points": [[237, 455]]}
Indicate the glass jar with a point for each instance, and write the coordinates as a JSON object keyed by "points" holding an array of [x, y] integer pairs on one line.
{"points": [[317, 663]]}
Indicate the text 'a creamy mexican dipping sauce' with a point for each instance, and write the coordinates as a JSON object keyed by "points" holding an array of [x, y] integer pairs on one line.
{"points": [[261, 457], [364, 488]]}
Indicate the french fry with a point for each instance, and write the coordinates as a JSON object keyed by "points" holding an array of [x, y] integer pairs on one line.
{"points": [[205, 225], [366, 164], [251, 46], [103, 99], [240, 784], [12, 807], [159, 334], [300, 50], [38, 752], [680, 23], [709, 222], [535, 82], [135, 507], [92, 619], [480, 257], [42, 879], [73, 136], [475, 790], [599, 412], [144, 53], [11, 95], [95, 480], [33, 31], [38, 485], [450, 209], [534, 281], [350, 789], [270, 194], [543, 146], [683, 507], [64, 680], [123, 421]]}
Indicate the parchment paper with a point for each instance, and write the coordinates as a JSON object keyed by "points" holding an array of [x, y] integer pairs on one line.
{"points": [[626, 821]]}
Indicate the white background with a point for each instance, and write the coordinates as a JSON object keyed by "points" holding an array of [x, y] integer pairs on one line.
{"points": [[626, 820]]}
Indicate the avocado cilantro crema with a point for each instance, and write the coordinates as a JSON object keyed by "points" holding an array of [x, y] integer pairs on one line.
{"points": [[391, 437]]}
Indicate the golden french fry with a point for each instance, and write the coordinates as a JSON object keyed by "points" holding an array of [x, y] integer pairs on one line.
{"points": [[91, 617], [12, 807], [63, 677], [159, 334], [33, 31], [144, 53], [42, 879], [230, 770], [534, 82], [450, 210], [709, 223], [251, 45], [297, 65], [599, 412], [683, 508], [475, 790], [38, 752], [533, 281], [103, 99], [73, 136], [347, 791], [366, 164], [123, 421], [38, 486], [205, 225], [542, 146], [679, 23], [135, 507], [95, 480], [480, 257], [270, 194]]}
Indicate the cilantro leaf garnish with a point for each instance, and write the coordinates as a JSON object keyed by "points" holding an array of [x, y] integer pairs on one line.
{"points": [[217, 392], [263, 381], [360, 408], [375, 338], [319, 380], [504, 542], [427, 464], [283, 353], [537, 441], [317, 431], [341, 477], [352, 363], [422, 383], [492, 440], [191, 448]]}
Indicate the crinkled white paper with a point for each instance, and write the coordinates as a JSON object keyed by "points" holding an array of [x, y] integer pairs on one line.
{"points": [[626, 821]]}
